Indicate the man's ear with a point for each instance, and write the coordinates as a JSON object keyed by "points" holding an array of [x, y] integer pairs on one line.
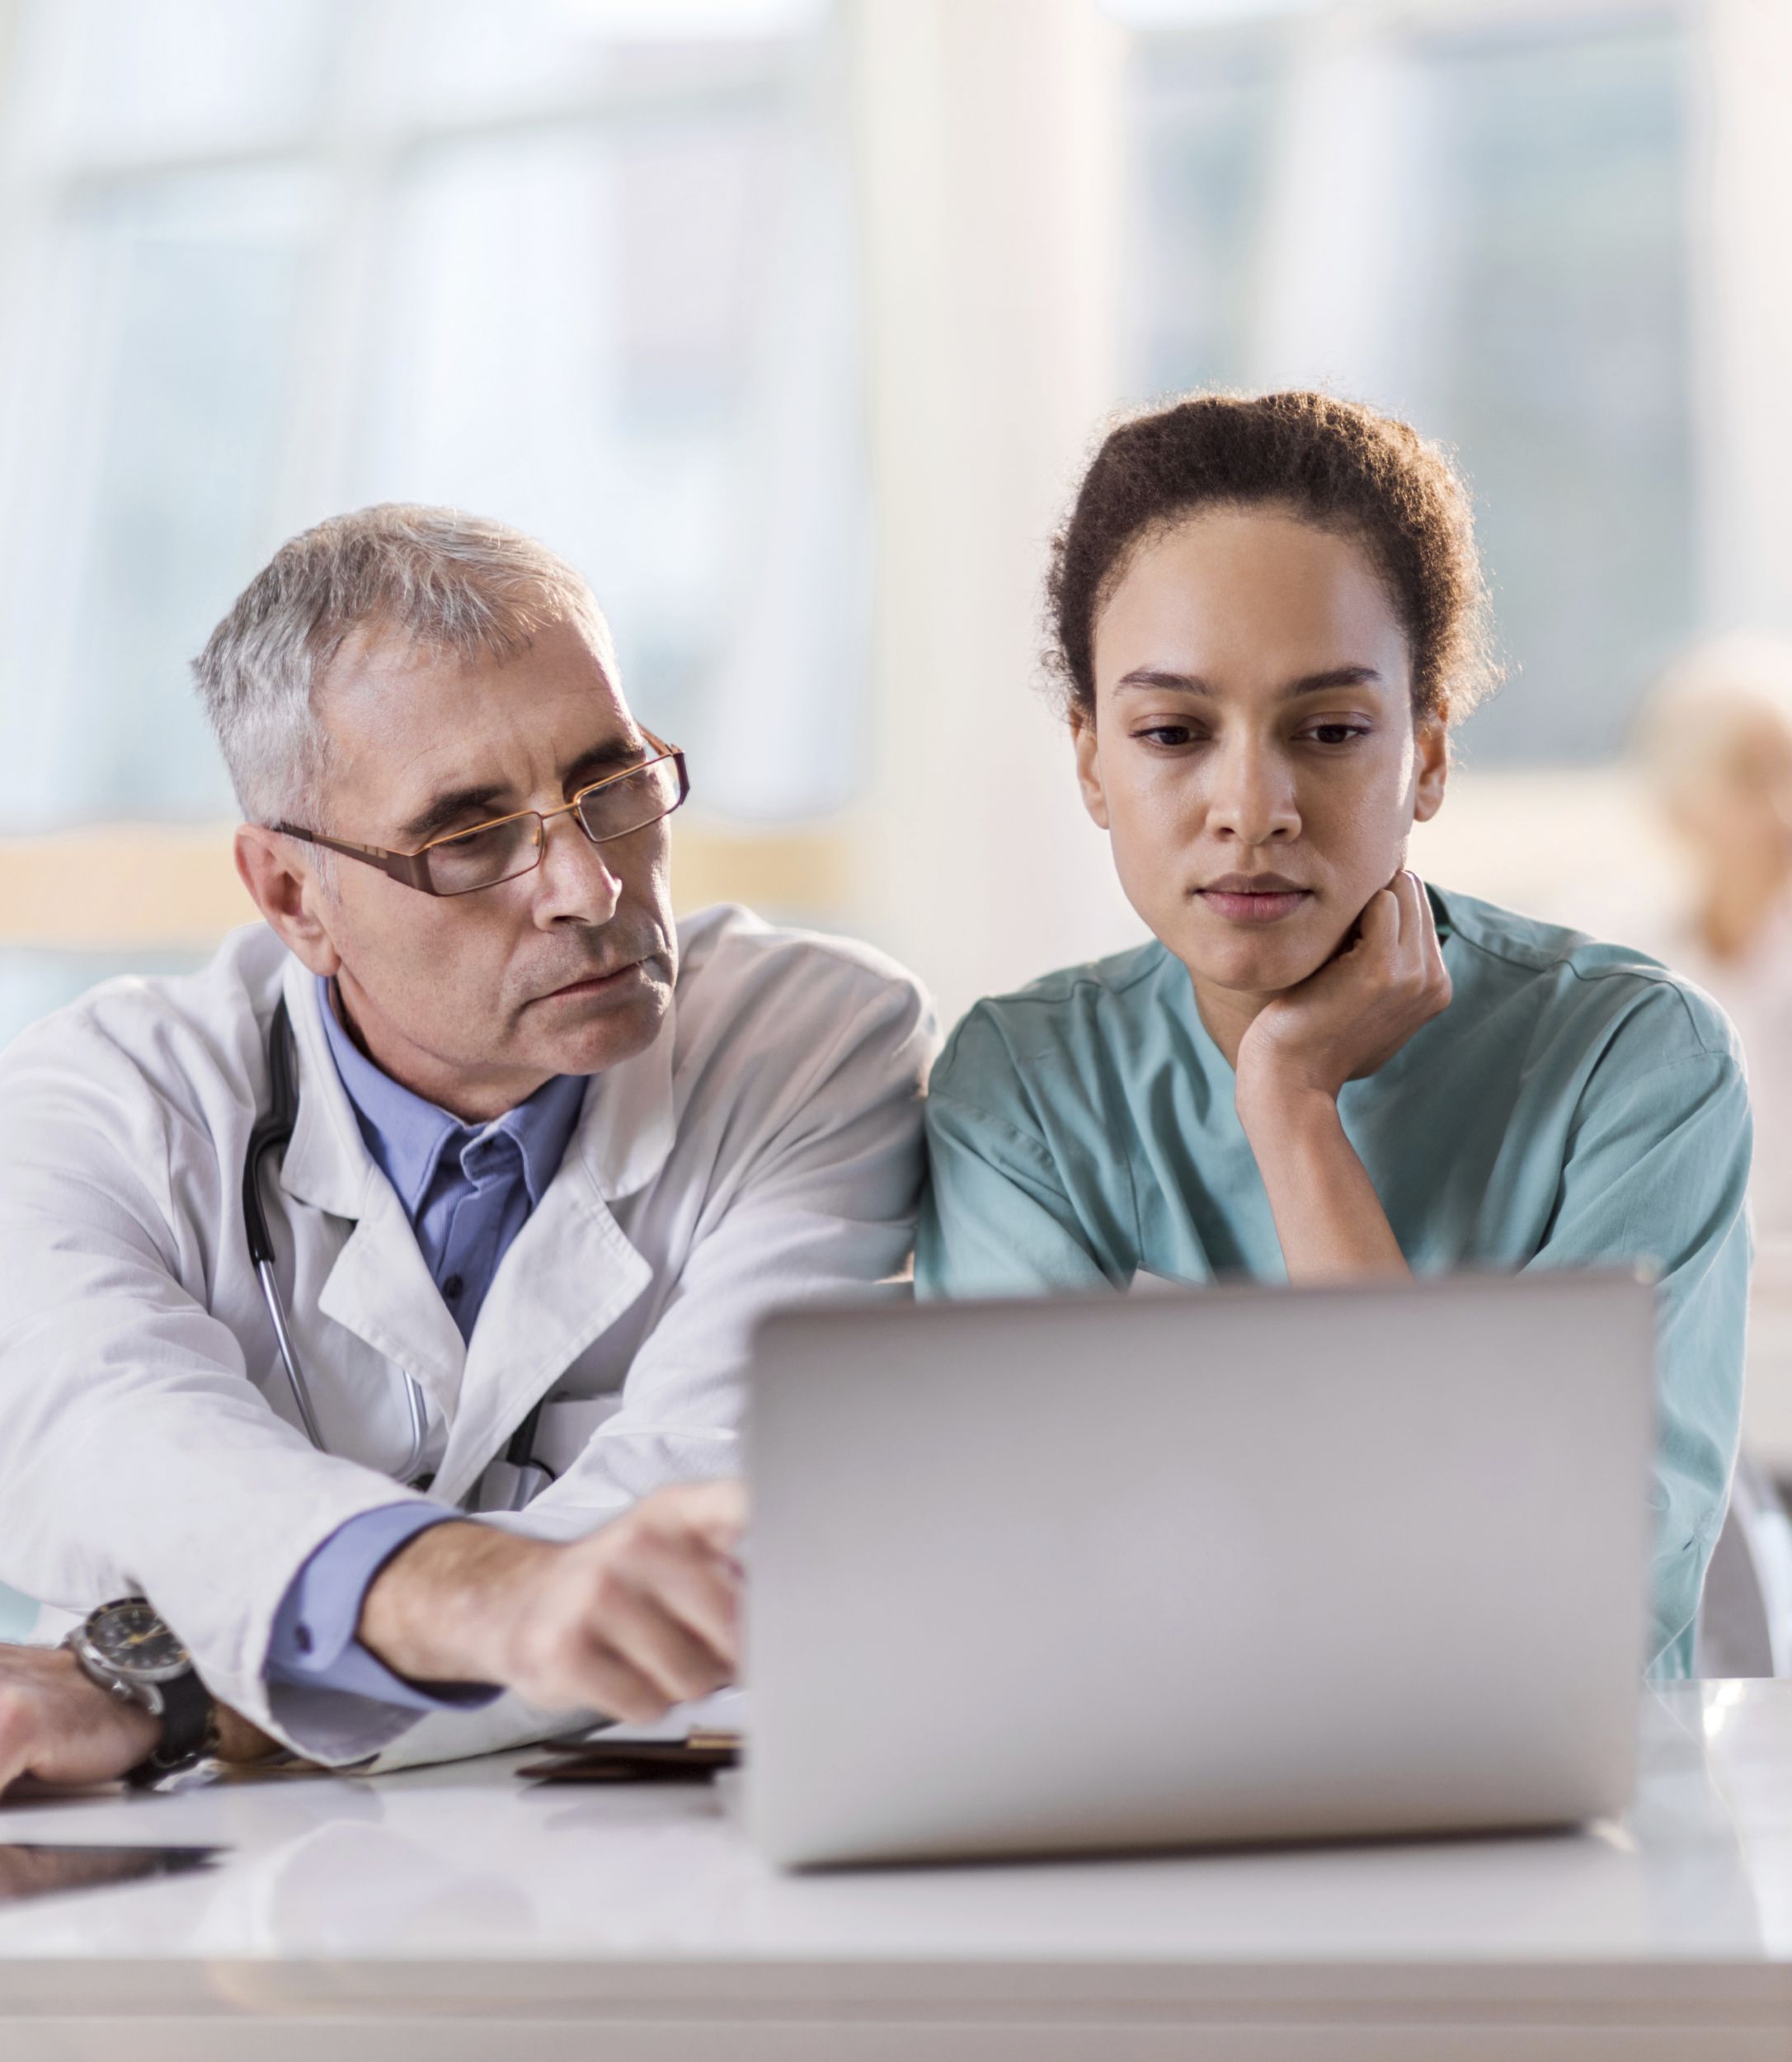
{"points": [[1431, 736], [1089, 764], [288, 893]]}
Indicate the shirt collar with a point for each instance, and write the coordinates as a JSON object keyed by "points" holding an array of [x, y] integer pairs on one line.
{"points": [[409, 1137]]}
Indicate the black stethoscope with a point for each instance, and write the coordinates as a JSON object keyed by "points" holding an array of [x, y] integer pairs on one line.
{"points": [[272, 1134]]}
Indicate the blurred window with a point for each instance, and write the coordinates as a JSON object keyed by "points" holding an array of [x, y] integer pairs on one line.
{"points": [[1471, 214], [582, 265]]}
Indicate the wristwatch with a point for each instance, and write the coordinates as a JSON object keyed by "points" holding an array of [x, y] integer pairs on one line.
{"points": [[133, 1655]]}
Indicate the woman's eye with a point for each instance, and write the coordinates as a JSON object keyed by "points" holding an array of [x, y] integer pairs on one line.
{"points": [[1167, 734], [1335, 733]]}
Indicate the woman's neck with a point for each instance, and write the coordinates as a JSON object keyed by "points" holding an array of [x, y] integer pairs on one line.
{"points": [[1226, 1014]]}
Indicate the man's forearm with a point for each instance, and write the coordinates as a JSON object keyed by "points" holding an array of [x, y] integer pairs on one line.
{"points": [[440, 1609]]}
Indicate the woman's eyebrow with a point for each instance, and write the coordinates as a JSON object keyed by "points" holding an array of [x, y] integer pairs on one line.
{"points": [[1148, 678], [1333, 676]]}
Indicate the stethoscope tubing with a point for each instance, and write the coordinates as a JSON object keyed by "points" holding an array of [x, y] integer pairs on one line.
{"points": [[272, 1134], [283, 1339]]}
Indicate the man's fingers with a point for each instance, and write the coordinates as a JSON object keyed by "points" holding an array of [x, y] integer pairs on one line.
{"points": [[650, 1595], [715, 1511], [570, 1666], [637, 1626], [610, 1683], [696, 1589], [60, 1733]]}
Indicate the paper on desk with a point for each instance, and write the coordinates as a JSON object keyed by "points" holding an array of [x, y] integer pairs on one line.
{"points": [[724, 1713]]}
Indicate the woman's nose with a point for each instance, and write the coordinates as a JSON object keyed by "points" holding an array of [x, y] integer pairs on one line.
{"points": [[1252, 797]]}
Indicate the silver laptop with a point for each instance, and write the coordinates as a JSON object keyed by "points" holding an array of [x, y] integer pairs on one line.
{"points": [[1232, 1565]]}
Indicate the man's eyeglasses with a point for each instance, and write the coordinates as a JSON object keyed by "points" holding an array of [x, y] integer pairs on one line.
{"points": [[463, 861]]}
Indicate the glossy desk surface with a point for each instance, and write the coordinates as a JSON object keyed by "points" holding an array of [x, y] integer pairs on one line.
{"points": [[423, 1912]]}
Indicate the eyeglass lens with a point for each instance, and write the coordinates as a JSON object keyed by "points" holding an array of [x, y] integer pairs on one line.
{"points": [[490, 853]]}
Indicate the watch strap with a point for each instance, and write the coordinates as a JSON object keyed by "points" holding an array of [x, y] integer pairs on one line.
{"points": [[186, 1726]]}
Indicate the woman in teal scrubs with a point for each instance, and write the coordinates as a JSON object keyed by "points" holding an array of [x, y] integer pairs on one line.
{"points": [[1268, 614]]}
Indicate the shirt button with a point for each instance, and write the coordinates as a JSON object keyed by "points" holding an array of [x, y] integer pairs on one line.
{"points": [[452, 1287]]}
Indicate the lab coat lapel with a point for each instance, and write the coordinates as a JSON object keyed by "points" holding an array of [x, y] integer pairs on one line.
{"points": [[380, 1287], [571, 1272]]}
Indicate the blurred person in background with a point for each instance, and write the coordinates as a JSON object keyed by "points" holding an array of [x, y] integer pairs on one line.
{"points": [[1714, 739], [1268, 614], [1714, 743]]}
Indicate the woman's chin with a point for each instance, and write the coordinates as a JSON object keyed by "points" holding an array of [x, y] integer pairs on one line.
{"points": [[1248, 966]]}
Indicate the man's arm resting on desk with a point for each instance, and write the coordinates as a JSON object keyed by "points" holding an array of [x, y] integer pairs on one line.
{"points": [[635, 1617]]}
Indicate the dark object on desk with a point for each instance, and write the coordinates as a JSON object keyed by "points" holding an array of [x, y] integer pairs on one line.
{"points": [[694, 1759], [29, 1870]]}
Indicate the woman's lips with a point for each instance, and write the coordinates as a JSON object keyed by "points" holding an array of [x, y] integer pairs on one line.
{"points": [[1253, 905]]}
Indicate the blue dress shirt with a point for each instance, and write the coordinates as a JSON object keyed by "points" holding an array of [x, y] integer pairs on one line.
{"points": [[468, 1190]]}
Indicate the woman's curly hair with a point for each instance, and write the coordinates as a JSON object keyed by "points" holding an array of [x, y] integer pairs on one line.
{"points": [[1335, 463]]}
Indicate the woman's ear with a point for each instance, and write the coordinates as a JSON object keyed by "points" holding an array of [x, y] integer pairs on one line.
{"points": [[1089, 764], [1431, 734]]}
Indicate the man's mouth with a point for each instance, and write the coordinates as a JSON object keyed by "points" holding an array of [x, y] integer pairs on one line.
{"points": [[585, 985], [1254, 898]]}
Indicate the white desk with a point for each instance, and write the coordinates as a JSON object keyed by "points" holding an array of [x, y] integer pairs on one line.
{"points": [[432, 1914]]}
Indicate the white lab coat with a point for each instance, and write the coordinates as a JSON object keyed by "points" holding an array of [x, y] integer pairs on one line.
{"points": [[766, 1149]]}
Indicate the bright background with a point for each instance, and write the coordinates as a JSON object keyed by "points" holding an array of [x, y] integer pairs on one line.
{"points": [[789, 323]]}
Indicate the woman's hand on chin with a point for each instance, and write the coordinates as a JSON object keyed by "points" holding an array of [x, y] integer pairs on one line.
{"points": [[1347, 1019], [1356, 1013]]}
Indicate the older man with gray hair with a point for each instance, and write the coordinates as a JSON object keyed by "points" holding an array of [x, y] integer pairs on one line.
{"points": [[375, 1304]]}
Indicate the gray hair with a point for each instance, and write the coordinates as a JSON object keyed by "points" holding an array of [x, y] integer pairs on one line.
{"points": [[434, 578]]}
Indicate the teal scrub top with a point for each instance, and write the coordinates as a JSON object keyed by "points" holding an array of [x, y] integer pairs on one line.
{"points": [[1575, 1105]]}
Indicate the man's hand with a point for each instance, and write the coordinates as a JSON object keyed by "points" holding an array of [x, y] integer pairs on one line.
{"points": [[59, 1727], [56, 1726], [641, 1615], [1357, 1012]]}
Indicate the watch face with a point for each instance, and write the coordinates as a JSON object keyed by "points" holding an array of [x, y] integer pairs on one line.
{"points": [[129, 1637]]}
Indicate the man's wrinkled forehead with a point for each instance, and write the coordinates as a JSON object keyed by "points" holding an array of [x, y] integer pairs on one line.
{"points": [[414, 724], [383, 651]]}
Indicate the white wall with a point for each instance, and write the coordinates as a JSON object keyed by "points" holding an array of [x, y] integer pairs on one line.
{"points": [[989, 171]]}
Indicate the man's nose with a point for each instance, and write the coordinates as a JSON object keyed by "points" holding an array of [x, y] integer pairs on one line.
{"points": [[1252, 796], [574, 882]]}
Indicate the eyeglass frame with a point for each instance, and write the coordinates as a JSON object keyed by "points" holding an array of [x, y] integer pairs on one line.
{"points": [[412, 870]]}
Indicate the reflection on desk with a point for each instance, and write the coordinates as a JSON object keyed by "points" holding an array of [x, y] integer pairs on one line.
{"points": [[28, 1869], [461, 1897]]}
